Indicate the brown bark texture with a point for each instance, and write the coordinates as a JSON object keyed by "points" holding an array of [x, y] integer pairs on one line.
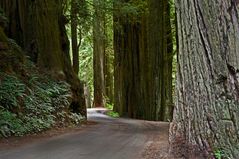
{"points": [[99, 54], [206, 115], [143, 63], [109, 79], [109, 60], [74, 43]]}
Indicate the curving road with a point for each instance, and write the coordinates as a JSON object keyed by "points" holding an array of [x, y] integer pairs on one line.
{"points": [[109, 139]]}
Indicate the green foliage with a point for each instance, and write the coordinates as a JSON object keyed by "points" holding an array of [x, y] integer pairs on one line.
{"points": [[223, 153], [132, 7], [84, 13], [39, 103], [133, 10], [110, 111], [47, 98], [86, 61], [109, 106], [84, 17], [86, 37], [218, 154], [76, 118], [113, 114], [11, 90], [10, 124]]}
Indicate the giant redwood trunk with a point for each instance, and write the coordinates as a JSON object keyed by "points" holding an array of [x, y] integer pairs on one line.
{"points": [[127, 44], [143, 63], [99, 54], [15, 11], [39, 27], [160, 54], [206, 116]]}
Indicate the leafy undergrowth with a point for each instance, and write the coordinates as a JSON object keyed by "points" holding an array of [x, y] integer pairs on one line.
{"points": [[33, 105], [30, 100], [111, 113]]}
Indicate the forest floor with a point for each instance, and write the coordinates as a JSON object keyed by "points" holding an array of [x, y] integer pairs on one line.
{"points": [[102, 137]]}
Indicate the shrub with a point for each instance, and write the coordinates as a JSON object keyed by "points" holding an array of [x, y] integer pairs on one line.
{"points": [[41, 102], [10, 124], [11, 90], [113, 114]]}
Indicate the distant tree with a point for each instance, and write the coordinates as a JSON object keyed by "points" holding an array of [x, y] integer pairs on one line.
{"points": [[109, 54], [206, 116], [79, 24], [74, 36], [99, 53]]}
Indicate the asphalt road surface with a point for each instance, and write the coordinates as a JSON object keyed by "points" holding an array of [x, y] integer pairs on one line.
{"points": [[109, 139]]}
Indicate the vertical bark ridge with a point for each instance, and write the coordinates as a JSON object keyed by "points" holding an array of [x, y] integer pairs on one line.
{"points": [[207, 95], [143, 86]]}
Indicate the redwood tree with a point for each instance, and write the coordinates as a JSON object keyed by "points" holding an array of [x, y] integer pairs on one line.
{"points": [[74, 31], [143, 60], [160, 54], [39, 26], [99, 53], [207, 105]]}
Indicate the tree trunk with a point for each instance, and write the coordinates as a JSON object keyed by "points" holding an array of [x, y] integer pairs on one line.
{"points": [[87, 96], [109, 58], [29, 26], [143, 64], [44, 40], [160, 61], [207, 105], [74, 43], [109, 77], [126, 46], [99, 54], [43, 34], [16, 12]]}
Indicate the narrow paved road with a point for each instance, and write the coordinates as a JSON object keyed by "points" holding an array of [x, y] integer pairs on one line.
{"points": [[109, 139]]}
